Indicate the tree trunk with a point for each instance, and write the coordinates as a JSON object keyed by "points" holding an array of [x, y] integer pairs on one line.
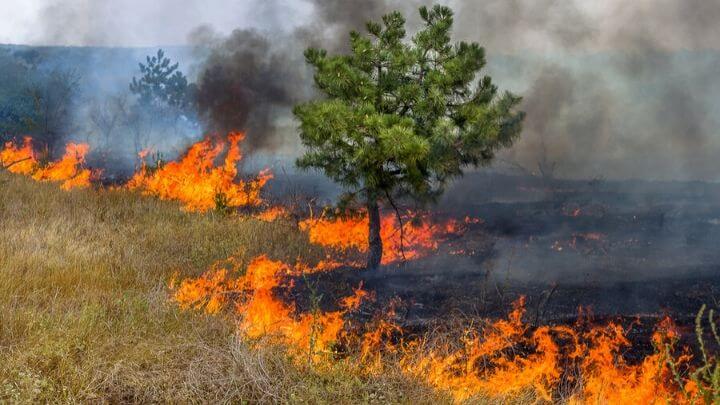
{"points": [[374, 240]]}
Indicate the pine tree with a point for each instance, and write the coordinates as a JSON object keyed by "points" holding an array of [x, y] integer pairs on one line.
{"points": [[161, 83], [401, 117]]}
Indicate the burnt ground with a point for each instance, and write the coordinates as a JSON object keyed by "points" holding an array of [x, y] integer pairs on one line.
{"points": [[628, 251]]}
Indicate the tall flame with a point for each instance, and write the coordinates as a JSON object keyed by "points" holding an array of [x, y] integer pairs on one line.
{"points": [[198, 182], [19, 159], [68, 171], [263, 314]]}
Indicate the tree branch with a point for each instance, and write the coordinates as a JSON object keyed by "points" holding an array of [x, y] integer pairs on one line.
{"points": [[16, 162], [402, 228]]}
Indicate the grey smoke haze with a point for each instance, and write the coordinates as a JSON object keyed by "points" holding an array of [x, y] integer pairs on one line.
{"points": [[615, 89], [618, 90], [252, 77]]}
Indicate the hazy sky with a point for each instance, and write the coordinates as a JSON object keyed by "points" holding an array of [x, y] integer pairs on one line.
{"points": [[136, 22], [511, 24], [641, 110]]}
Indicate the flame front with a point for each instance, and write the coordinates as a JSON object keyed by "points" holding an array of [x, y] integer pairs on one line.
{"points": [[501, 359], [198, 182], [417, 237], [68, 171], [263, 314]]}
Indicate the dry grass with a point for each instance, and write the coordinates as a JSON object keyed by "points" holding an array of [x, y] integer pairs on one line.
{"points": [[85, 315]]}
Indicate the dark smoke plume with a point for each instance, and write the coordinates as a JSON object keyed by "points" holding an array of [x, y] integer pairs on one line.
{"points": [[251, 79], [240, 83]]}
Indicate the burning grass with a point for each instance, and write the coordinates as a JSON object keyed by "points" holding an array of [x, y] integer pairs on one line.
{"points": [[498, 360], [69, 171], [85, 317], [198, 182], [85, 314], [418, 236]]}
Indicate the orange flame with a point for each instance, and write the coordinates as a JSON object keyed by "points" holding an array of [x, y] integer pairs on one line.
{"points": [[272, 214], [484, 364], [19, 159], [608, 378], [501, 359], [416, 240], [198, 183], [488, 364], [262, 313], [68, 171]]}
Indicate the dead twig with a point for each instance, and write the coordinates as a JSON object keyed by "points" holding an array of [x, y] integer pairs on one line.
{"points": [[543, 304], [16, 162], [399, 218]]}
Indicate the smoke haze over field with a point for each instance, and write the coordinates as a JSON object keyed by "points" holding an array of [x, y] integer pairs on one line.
{"points": [[614, 89]]}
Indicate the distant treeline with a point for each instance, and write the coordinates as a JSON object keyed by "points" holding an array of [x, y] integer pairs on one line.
{"points": [[120, 100]]}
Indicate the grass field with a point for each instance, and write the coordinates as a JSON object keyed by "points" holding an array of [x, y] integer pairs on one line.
{"points": [[85, 313]]}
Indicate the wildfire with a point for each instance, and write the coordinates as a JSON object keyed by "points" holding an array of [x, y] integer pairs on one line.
{"points": [[19, 159], [495, 358], [272, 214], [483, 364], [498, 359], [262, 313], [198, 182], [416, 238], [68, 171]]}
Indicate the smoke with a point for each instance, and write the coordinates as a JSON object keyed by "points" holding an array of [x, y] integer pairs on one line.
{"points": [[618, 90], [614, 89], [251, 78], [135, 23], [242, 81]]}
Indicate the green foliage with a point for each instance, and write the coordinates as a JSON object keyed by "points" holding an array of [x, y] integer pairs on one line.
{"points": [[706, 378], [15, 105], [35, 101], [315, 298], [222, 205], [161, 83], [403, 117]]}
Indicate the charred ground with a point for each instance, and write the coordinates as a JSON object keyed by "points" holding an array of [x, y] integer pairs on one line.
{"points": [[634, 251]]}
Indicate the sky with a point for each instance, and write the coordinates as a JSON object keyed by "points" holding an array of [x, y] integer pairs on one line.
{"points": [[542, 25], [136, 22]]}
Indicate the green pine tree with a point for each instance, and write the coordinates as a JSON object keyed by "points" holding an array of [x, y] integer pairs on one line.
{"points": [[401, 117], [161, 83]]}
